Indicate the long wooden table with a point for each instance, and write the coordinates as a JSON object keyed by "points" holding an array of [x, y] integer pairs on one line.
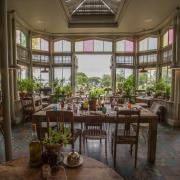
{"points": [[91, 169], [146, 117]]}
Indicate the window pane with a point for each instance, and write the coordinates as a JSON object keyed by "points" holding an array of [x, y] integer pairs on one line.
{"points": [[22, 72], [36, 43], [18, 39], [146, 79], [42, 77], [44, 45], [120, 46], [107, 46], [143, 45], [170, 36], [58, 46], [79, 46], [23, 39], [98, 46], [152, 43], [88, 46], [63, 73], [165, 39], [129, 46], [66, 46]]}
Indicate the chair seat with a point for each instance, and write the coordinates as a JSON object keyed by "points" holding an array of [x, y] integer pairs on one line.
{"points": [[95, 134], [121, 139]]}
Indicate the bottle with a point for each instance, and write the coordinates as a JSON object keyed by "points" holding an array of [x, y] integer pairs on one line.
{"points": [[129, 105], [85, 105], [35, 150]]}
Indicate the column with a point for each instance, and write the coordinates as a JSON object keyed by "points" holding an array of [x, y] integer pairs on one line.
{"points": [[73, 68], [113, 67], [135, 70], [177, 72], [14, 56], [29, 46], [176, 59], [11, 70], [51, 74], [159, 67], [5, 80]]}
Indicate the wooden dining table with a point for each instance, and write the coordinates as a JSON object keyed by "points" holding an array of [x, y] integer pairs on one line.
{"points": [[110, 117], [19, 169]]}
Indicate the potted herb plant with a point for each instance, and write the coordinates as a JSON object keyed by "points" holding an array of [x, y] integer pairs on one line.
{"points": [[56, 139], [128, 87], [94, 94], [22, 88]]}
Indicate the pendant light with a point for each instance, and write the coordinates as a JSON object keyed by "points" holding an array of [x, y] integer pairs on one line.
{"points": [[143, 70]]}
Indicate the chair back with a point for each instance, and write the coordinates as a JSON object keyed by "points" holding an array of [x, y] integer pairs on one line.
{"points": [[93, 122], [62, 118], [27, 104], [132, 116]]}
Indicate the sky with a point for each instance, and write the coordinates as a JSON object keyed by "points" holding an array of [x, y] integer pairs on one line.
{"points": [[94, 65]]}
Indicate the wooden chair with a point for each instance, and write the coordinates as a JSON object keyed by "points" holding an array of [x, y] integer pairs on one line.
{"points": [[31, 105], [125, 136], [64, 118], [94, 130]]}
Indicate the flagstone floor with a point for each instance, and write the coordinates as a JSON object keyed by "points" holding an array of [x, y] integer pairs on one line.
{"points": [[167, 166]]}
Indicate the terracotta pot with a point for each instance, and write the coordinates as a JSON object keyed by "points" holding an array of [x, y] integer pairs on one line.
{"points": [[92, 105], [53, 147]]}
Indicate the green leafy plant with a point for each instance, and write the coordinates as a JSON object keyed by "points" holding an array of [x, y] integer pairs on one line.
{"points": [[168, 91], [62, 136], [27, 85], [95, 93], [21, 85], [128, 86], [160, 88]]}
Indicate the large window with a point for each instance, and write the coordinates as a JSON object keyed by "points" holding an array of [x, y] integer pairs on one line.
{"points": [[42, 77], [40, 44], [167, 74], [62, 46], [124, 46], [63, 73], [168, 38], [21, 38], [147, 78], [93, 46], [148, 44]]}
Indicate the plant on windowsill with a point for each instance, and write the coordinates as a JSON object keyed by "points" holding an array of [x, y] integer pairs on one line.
{"points": [[160, 88], [26, 87]]}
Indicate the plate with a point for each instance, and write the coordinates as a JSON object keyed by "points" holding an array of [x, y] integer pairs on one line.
{"points": [[76, 165]]}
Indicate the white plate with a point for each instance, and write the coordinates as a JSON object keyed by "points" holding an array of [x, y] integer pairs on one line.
{"points": [[76, 165]]}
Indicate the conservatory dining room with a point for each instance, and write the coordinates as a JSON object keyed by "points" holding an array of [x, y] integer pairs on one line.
{"points": [[90, 89]]}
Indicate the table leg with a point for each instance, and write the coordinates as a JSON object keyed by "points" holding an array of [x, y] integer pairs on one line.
{"points": [[152, 139]]}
